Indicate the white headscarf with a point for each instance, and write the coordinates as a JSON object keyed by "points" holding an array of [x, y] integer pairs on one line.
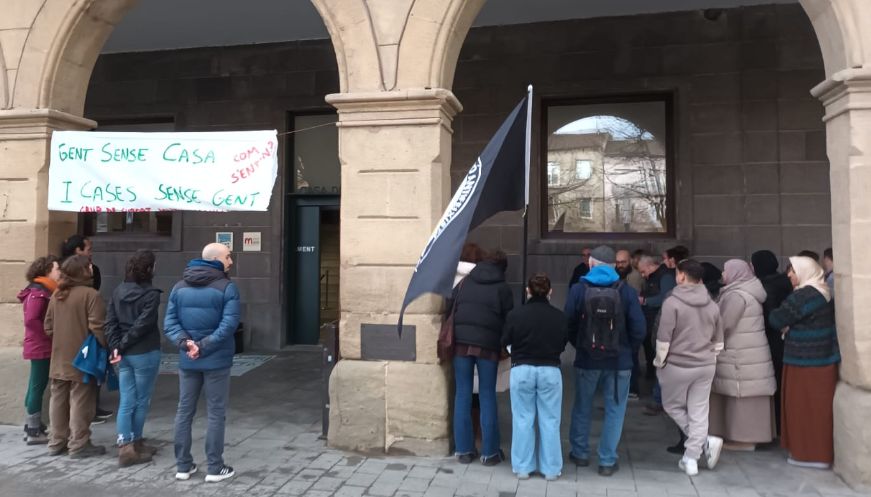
{"points": [[810, 274]]}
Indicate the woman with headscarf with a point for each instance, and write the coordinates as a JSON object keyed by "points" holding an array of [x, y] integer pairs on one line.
{"points": [[810, 366], [777, 288], [742, 404]]}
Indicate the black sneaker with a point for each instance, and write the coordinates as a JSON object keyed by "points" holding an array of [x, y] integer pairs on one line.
{"points": [[186, 475], [494, 459], [466, 458], [225, 473], [579, 461], [608, 470], [88, 451], [103, 414]]}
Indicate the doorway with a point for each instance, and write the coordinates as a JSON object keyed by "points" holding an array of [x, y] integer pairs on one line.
{"points": [[312, 227]]}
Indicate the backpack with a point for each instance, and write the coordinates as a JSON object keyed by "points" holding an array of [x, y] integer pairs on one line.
{"points": [[604, 321]]}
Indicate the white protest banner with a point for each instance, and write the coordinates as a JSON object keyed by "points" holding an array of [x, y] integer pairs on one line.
{"points": [[146, 172]]}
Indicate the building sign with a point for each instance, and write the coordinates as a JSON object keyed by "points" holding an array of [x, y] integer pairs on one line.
{"points": [[224, 238], [251, 241], [147, 172]]}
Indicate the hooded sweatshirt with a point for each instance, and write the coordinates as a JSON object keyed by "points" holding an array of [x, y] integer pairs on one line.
{"points": [[690, 329], [131, 319], [636, 326], [744, 367], [204, 307], [483, 301]]}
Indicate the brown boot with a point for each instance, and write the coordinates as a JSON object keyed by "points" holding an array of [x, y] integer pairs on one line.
{"points": [[143, 448], [127, 456]]}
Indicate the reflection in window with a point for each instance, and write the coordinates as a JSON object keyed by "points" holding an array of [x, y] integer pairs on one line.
{"points": [[583, 169], [316, 155], [587, 208], [619, 154], [552, 173]]}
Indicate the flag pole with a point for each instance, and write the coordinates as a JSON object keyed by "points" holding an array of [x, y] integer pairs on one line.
{"points": [[523, 274]]}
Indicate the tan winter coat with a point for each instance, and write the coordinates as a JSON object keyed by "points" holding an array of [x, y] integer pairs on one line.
{"points": [[68, 322], [744, 367]]}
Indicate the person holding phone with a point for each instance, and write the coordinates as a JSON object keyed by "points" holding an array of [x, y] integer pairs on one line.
{"points": [[134, 344]]}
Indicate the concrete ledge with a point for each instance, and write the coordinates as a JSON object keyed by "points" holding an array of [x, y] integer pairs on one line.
{"points": [[357, 407], [853, 436]]}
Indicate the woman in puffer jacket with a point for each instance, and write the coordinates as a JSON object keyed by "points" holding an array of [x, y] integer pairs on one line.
{"points": [[742, 402]]}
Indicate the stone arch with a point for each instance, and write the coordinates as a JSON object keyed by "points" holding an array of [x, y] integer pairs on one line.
{"points": [[60, 52], [4, 82], [845, 44], [390, 45]]}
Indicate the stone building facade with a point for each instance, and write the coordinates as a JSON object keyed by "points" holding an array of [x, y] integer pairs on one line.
{"points": [[757, 159]]}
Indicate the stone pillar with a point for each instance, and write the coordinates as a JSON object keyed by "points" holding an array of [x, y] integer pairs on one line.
{"points": [[395, 150], [847, 97], [27, 229]]}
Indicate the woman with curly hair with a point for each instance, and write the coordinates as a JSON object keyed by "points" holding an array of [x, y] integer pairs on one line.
{"points": [[75, 309], [42, 277], [134, 343]]}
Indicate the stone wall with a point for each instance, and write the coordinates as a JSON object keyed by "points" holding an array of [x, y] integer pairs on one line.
{"points": [[212, 89], [751, 163], [750, 147]]}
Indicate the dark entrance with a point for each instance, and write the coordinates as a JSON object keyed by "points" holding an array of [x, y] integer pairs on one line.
{"points": [[312, 227]]}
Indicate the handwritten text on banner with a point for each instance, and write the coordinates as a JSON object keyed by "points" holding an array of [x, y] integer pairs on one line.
{"points": [[145, 172]]}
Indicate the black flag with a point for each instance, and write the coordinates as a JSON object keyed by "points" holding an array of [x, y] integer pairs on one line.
{"points": [[496, 182]]}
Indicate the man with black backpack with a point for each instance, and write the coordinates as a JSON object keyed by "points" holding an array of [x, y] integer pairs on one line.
{"points": [[605, 324]]}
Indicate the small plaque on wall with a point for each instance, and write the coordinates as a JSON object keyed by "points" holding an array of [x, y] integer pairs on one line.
{"points": [[381, 342]]}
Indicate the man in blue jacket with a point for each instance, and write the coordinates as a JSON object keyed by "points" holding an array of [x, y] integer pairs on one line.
{"points": [[597, 368], [201, 317]]}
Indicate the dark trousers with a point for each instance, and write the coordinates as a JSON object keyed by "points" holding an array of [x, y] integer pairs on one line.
{"points": [[650, 340], [217, 386]]}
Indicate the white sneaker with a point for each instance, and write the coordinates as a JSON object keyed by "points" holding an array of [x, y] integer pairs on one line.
{"points": [[186, 475], [807, 464], [225, 473], [689, 466], [522, 476], [713, 448]]}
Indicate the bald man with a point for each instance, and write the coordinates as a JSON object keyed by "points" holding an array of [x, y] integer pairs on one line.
{"points": [[202, 315]]}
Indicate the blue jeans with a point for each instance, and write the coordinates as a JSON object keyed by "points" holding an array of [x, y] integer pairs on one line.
{"points": [[615, 390], [217, 386], [136, 383], [536, 390], [464, 372]]}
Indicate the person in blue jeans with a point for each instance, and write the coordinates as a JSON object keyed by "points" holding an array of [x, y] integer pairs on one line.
{"points": [[536, 334], [608, 369], [201, 317], [133, 336], [480, 304]]}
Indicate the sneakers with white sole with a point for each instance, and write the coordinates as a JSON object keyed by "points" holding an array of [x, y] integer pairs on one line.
{"points": [[225, 473], [689, 466], [713, 447], [808, 464], [186, 475]]}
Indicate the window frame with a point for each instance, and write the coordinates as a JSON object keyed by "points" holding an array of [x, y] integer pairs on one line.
{"points": [[120, 241], [668, 99], [589, 202], [578, 163]]}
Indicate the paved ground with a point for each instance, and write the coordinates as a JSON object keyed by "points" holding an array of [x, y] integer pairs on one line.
{"points": [[273, 442]]}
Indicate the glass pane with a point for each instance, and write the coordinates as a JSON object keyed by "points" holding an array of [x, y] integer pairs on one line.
{"points": [[606, 168], [316, 155]]}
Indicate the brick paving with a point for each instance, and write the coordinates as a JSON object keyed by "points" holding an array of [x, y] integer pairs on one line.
{"points": [[277, 451]]}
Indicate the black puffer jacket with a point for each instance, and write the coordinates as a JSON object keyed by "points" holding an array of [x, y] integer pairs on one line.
{"points": [[483, 300], [131, 319], [537, 333]]}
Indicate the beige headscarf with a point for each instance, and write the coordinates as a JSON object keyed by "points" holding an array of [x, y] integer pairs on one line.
{"points": [[810, 274]]}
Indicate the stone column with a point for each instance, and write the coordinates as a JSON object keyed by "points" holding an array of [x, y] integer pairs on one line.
{"points": [[27, 229], [395, 150], [847, 97]]}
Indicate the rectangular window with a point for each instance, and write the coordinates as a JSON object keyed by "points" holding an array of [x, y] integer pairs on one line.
{"points": [[553, 174], [131, 223], [587, 208], [622, 151], [583, 169]]}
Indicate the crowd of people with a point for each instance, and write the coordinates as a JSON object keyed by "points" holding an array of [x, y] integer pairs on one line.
{"points": [[736, 357], [74, 340]]}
